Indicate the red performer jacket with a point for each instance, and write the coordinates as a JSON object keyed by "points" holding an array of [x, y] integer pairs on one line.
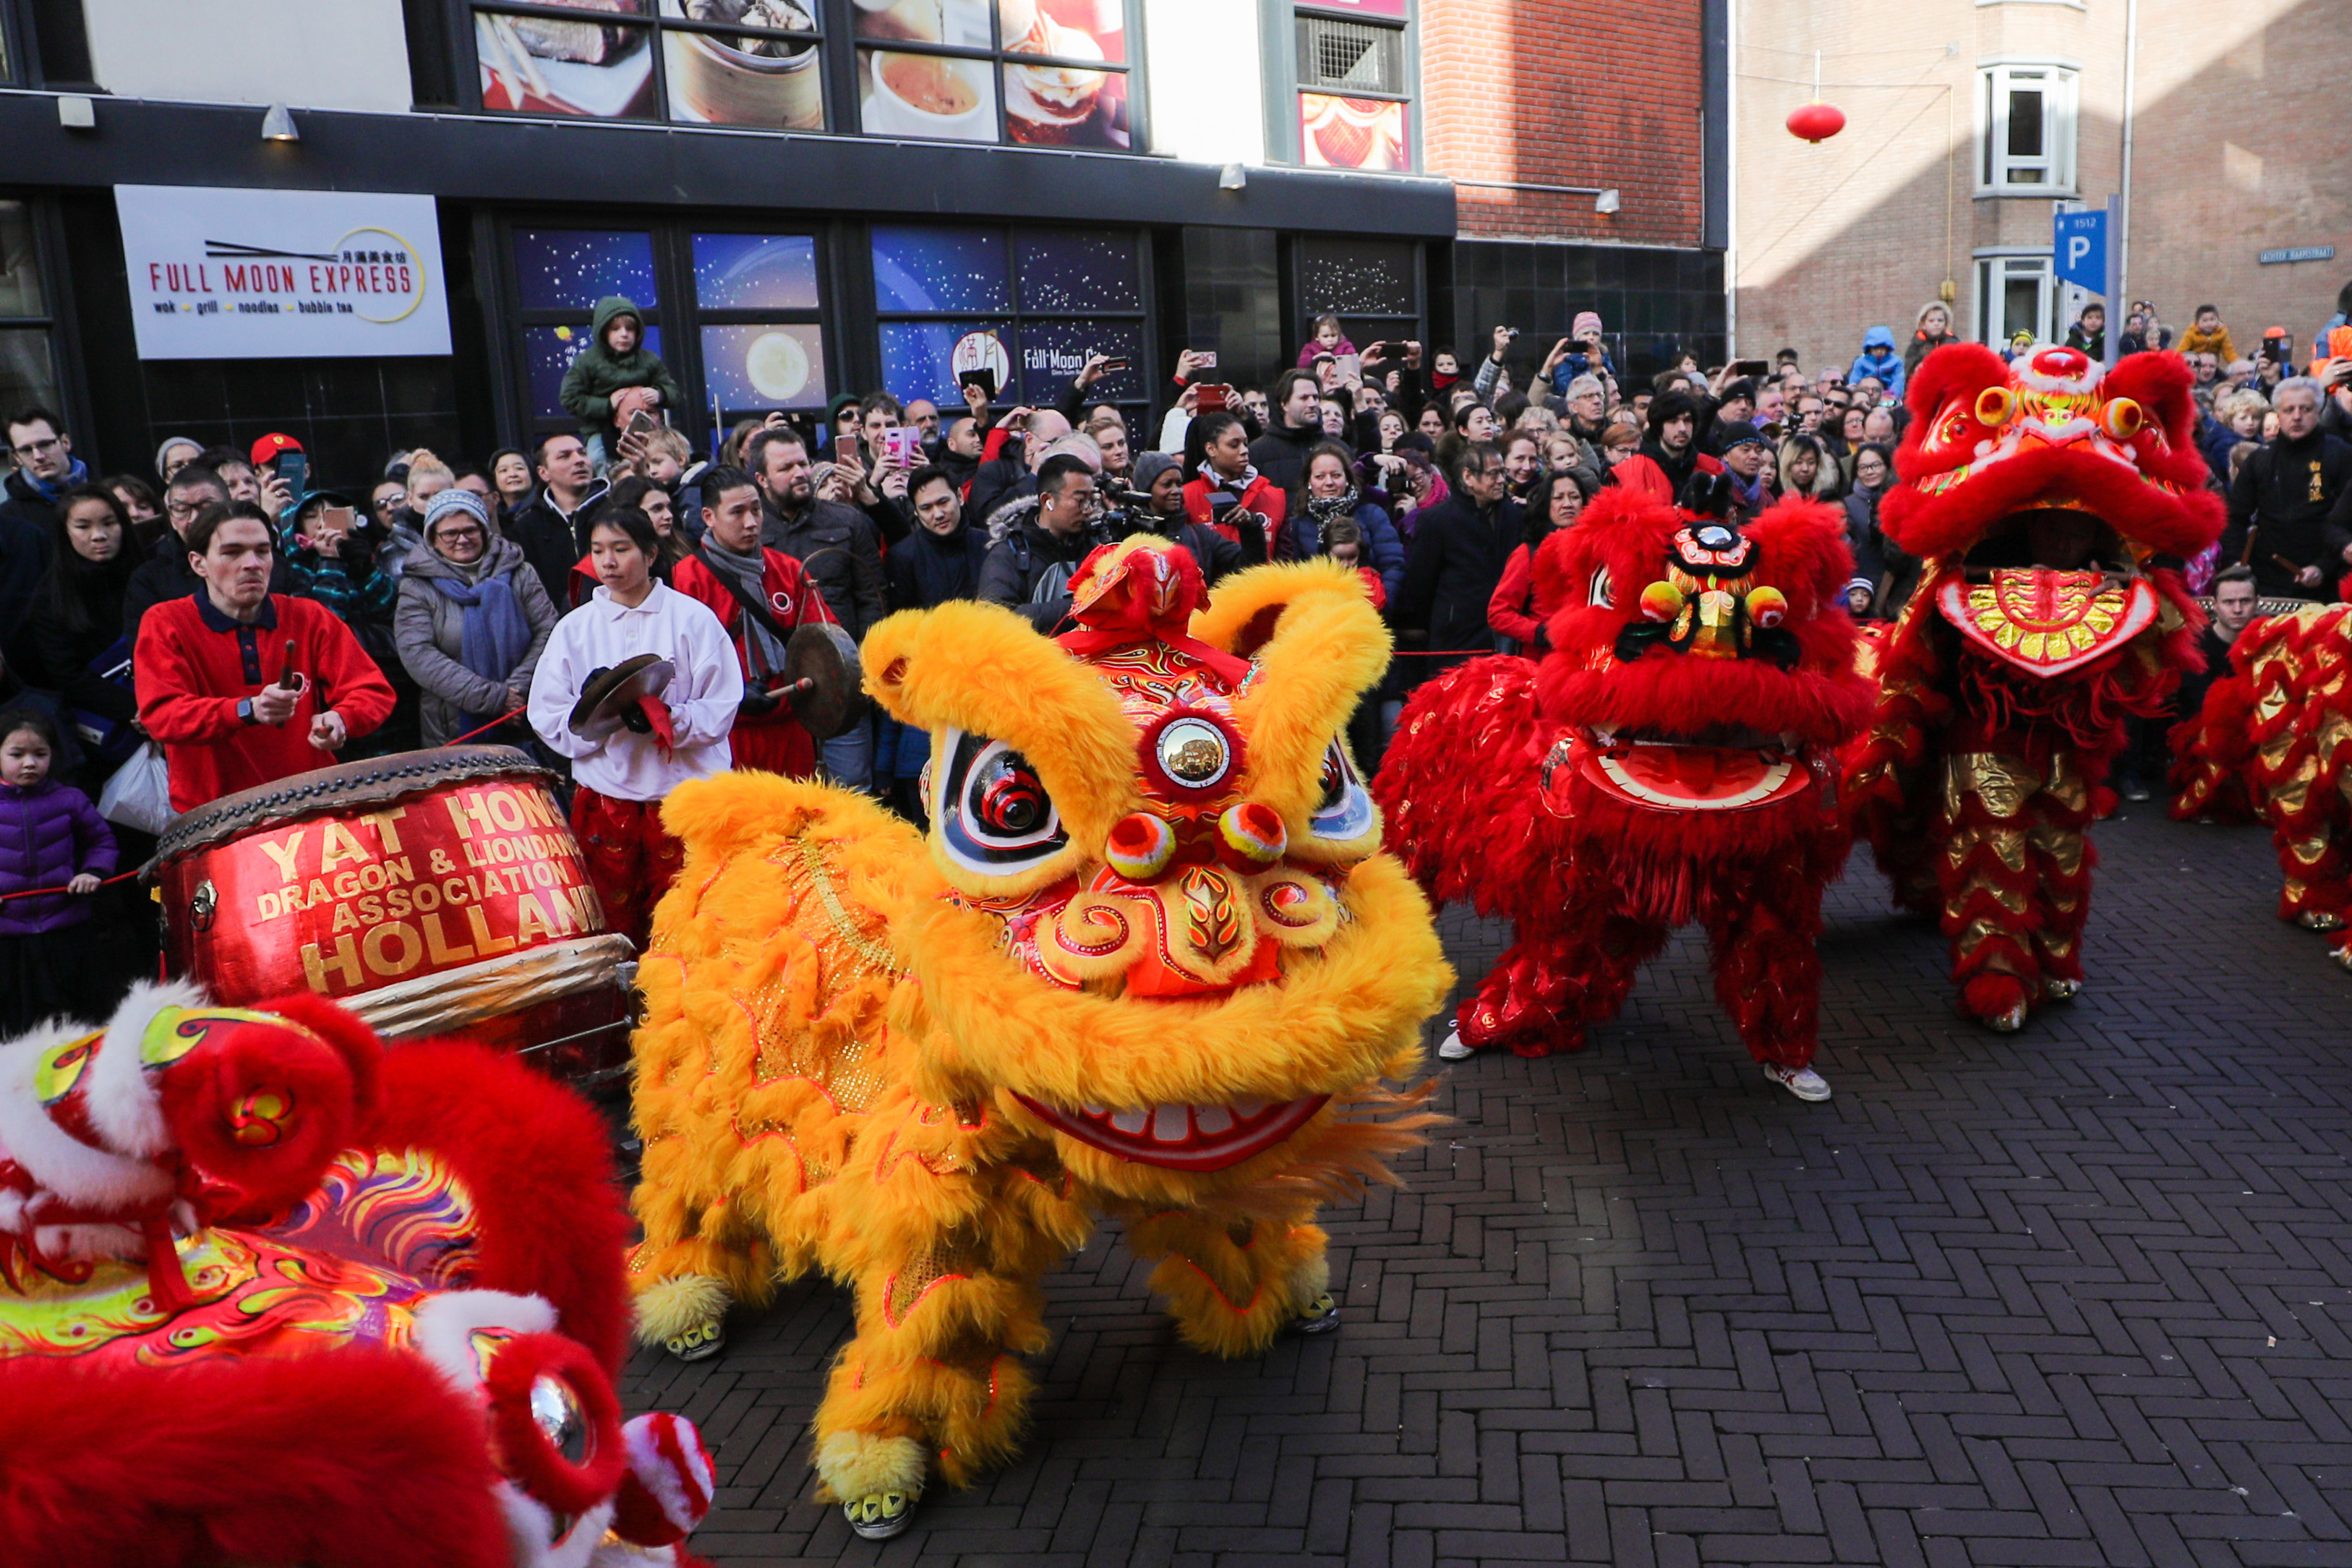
{"points": [[193, 665], [1261, 496], [773, 741]]}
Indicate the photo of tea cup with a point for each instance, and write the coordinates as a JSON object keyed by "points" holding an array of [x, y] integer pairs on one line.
{"points": [[930, 96]]}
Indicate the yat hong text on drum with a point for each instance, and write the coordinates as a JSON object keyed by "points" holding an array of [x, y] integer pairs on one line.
{"points": [[433, 892]]}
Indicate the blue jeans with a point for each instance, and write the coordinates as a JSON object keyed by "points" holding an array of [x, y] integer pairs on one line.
{"points": [[849, 758]]}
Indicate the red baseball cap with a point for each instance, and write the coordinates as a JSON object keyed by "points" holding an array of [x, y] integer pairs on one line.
{"points": [[271, 444]]}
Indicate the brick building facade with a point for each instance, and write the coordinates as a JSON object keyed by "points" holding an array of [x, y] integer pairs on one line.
{"points": [[1533, 109], [1969, 120]]}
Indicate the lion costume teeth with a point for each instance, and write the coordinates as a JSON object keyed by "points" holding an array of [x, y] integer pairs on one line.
{"points": [[1149, 963], [2045, 499]]}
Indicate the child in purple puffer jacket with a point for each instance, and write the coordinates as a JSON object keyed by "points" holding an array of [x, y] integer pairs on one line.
{"points": [[50, 836]]}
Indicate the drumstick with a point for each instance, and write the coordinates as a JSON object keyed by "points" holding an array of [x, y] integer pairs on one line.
{"points": [[792, 688], [288, 680]]}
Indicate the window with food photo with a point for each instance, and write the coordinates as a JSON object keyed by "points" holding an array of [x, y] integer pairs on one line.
{"points": [[1035, 72], [717, 62], [1352, 87]]}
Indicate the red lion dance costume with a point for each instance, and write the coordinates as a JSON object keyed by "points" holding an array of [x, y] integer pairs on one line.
{"points": [[271, 1296], [2273, 744], [1671, 760], [2040, 496]]}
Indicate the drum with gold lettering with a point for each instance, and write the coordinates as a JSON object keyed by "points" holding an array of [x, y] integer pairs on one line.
{"points": [[431, 892]]}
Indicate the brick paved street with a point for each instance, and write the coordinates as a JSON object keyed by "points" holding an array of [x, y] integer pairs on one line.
{"points": [[2082, 1295]]}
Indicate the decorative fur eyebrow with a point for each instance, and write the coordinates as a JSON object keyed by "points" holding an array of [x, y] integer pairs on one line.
{"points": [[1320, 645]]}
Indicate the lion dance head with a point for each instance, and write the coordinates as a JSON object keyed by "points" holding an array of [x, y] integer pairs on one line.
{"points": [[1167, 937]]}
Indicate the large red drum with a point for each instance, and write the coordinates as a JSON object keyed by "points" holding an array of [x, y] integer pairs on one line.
{"points": [[431, 892]]}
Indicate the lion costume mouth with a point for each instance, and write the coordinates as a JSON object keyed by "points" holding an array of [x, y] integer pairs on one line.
{"points": [[1182, 1137], [1726, 768]]}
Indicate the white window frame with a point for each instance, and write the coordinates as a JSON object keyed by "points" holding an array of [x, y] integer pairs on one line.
{"points": [[2059, 82], [1992, 279]]}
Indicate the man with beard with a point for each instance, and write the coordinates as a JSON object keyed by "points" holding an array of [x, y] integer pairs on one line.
{"points": [[1669, 453], [842, 553], [1281, 453]]}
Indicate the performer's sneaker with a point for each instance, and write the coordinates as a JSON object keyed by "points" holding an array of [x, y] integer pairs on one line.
{"points": [[878, 1516], [1453, 1050], [1802, 1081], [698, 1343], [1320, 1316]]}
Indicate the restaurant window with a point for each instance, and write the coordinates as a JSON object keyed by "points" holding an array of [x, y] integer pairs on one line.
{"points": [[1354, 110], [560, 275], [1029, 72], [743, 313], [1050, 73], [1028, 306], [754, 63], [28, 372], [1372, 285], [757, 306]]}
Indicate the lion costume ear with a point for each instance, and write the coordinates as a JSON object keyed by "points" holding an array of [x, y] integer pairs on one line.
{"points": [[983, 670], [1320, 645]]}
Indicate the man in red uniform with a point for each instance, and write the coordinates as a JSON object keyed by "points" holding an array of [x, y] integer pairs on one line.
{"points": [[216, 685], [733, 574]]}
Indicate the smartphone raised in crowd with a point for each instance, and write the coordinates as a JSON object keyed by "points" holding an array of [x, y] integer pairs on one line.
{"points": [[1204, 358], [1749, 367], [1117, 362], [643, 424], [294, 468], [903, 446]]}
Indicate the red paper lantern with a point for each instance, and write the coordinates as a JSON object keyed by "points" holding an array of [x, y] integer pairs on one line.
{"points": [[1816, 122]]}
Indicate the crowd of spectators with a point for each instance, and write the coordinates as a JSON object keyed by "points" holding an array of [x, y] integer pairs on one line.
{"points": [[246, 624]]}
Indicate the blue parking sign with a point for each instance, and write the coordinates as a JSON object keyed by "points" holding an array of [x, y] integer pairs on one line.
{"points": [[2079, 243]]}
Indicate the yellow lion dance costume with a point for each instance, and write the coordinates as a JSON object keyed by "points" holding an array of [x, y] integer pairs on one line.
{"points": [[1152, 966]]}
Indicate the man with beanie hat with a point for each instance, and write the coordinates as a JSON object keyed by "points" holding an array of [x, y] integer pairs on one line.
{"points": [[1669, 453], [1743, 448]]}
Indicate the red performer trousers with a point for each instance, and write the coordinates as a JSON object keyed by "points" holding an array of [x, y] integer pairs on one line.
{"points": [[631, 860]]}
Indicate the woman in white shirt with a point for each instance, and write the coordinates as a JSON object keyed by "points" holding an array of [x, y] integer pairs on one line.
{"points": [[622, 780]]}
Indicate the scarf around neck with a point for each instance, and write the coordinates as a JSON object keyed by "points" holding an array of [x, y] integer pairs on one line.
{"points": [[750, 573]]}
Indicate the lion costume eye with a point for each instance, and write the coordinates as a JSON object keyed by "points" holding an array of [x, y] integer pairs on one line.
{"points": [[1344, 811], [993, 812]]}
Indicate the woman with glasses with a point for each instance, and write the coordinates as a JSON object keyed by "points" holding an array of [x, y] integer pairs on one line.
{"points": [[472, 619]]}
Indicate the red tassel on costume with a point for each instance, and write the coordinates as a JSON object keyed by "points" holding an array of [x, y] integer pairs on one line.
{"points": [[665, 732]]}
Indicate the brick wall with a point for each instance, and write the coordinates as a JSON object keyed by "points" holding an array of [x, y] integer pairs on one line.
{"points": [[2237, 148], [1542, 92]]}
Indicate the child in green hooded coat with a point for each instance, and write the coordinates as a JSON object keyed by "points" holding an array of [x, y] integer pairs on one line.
{"points": [[614, 377]]}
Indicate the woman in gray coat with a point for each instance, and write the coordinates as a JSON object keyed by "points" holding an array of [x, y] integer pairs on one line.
{"points": [[471, 619]]}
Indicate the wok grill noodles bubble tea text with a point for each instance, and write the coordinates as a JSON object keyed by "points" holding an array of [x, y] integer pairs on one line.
{"points": [[429, 892]]}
